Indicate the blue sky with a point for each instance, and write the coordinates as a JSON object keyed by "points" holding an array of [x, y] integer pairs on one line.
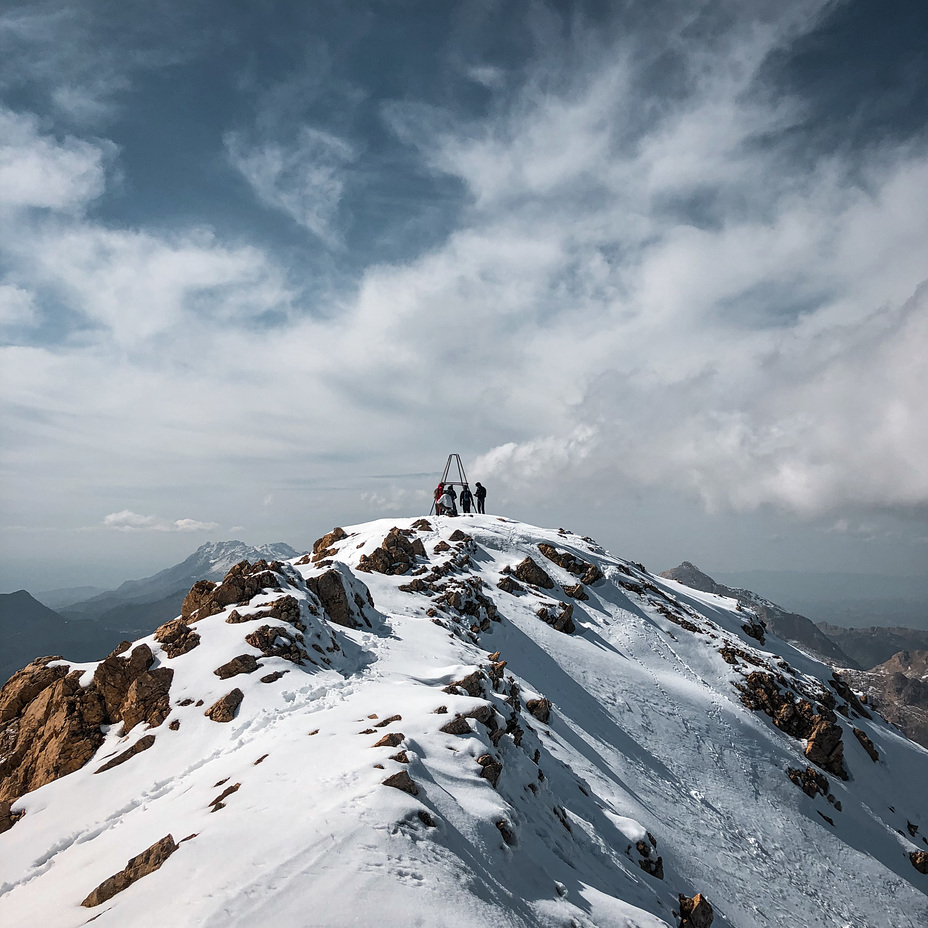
{"points": [[656, 270]]}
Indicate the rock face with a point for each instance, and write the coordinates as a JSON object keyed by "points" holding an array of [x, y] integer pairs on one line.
{"points": [[244, 663], [50, 723], [919, 860], [223, 710], [146, 862], [239, 585], [176, 637], [561, 617], [528, 571], [396, 554], [588, 573], [332, 593], [276, 641], [798, 718], [695, 912]]}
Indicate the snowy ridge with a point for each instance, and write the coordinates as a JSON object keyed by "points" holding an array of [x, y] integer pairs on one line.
{"points": [[519, 818]]}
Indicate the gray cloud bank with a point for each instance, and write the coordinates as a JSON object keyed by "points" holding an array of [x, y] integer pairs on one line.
{"points": [[646, 286]]}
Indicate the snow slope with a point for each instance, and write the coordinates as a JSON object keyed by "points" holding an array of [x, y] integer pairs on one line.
{"points": [[647, 735]]}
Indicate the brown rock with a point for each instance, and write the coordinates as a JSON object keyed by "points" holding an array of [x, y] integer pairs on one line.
{"points": [[276, 641], [457, 726], [695, 912], [240, 584], [422, 525], [26, 684], [403, 781], [490, 768], [508, 585], [919, 860], [143, 744], [244, 663], [825, 747], [223, 710], [383, 723], [810, 781], [146, 862], [540, 708], [472, 684], [561, 618], [330, 589], [577, 592], [392, 739], [177, 638], [8, 818], [395, 555], [529, 572], [337, 534], [587, 572], [114, 676], [148, 698], [866, 744], [271, 677]]}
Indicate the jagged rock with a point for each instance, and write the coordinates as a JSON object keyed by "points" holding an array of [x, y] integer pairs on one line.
{"points": [[422, 525], [529, 572], [485, 714], [143, 744], [577, 592], [146, 862], [223, 710], [695, 912], [508, 585], [114, 676], [911, 827], [588, 573], [240, 584], [591, 575], [472, 684], [415, 586], [271, 677], [27, 683], [866, 744], [176, 637], [919, 860], [332, 593], [561, 619], [540, 708], [490, 768], [650, 862], [810, 781], [148, 699], [244, 663], [322, 548], [457, 726], [825, 747], [383, 723], [54, 735], [848, 695], [458, 535], [403, 781], [506, 832], [276, 641], [395, 555], [754, 630], [217, 803], [391, 740], [8, 818]]}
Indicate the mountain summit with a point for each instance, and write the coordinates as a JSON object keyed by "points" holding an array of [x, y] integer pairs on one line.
{"points": [[428, 722]]}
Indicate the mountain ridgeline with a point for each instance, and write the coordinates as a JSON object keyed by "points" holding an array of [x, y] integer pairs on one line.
{"points": [[430, 721]]}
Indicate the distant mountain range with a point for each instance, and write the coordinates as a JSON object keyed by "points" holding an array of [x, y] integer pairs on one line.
{"points": [[89, 629]]}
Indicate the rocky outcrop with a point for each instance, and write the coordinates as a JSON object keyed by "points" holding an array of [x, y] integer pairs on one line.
{"points": [[797, 717], [342, 605], [649, 861], [919, 860], [176, 638], [324, 547], [143, 744], [867, 744], [50, 724], [277, 641], [695, 912], [540, 708], [490, 768], [588, 573], [396, 554], [810, 781], [244, 663], [239, 585], [146, 862], [560, 617], [528, 571], [223, 710]]}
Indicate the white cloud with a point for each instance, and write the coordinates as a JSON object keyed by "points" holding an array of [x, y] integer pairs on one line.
{"points": [[305, 179], [128, 521], [17, 306], [40, 171]]}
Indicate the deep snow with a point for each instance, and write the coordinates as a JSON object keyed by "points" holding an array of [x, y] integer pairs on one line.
{"points": [[646, 735]]}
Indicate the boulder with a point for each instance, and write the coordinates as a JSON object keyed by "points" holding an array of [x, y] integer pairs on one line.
{"points": [[223, 710], [277, 641], [143, 864], [866, 744], [148, 698], [810, 781], [457, 726], [143, 744], [240, 584], [825, 747], [114, 676], [395, 555], [403, 781], [919, 860], [329, 587], [560, 618], [528, 571], [244, 663], [176, 638], [540, 708], [491, 768], [27, 683], [695, 912]]}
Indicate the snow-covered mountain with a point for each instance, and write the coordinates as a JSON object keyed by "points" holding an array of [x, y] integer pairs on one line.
{"points": [[455, 721], [790, 626]]}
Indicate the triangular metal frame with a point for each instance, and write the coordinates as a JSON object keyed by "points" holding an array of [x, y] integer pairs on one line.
{"points": [[453, 459]]}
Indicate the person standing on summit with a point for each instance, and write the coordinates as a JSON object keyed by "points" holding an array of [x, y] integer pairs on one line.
{"points": [[481, 494]]}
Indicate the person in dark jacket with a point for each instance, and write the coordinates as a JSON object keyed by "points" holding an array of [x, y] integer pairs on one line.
{"points": [[481, 494], [466, 498]]}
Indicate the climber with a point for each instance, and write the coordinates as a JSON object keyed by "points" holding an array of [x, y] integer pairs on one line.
{"points": [[481, 494], [439, 493], [466, 499], [447, 504]]}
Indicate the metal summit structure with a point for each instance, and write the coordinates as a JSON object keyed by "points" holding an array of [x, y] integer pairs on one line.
{"points": [[454, 461]]}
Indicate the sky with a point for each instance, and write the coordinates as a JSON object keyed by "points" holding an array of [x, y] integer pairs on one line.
{"points": [[657, 271]]}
